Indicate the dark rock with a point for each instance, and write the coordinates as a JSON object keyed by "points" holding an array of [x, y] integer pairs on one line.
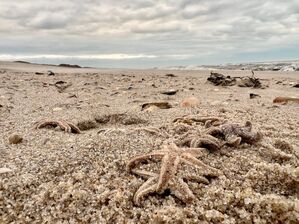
{"points": [[170, 75], [253, 95], [170, 92], [296, 85], [69, 66], [39, 73], [50, 73], [222, 80]]}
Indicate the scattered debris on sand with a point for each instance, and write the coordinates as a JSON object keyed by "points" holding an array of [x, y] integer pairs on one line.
{"points": [[219, 79]]}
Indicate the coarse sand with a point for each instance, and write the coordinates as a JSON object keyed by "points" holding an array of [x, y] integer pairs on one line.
{"points": [[56, 177]]}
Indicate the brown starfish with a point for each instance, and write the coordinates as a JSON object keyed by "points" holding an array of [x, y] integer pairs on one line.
{"points": [[64, 125], [195, 139], [234, 134], [172, 156], [189, 119]]}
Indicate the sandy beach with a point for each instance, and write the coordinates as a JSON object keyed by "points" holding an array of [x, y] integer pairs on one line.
{"points": [[54, 176]]}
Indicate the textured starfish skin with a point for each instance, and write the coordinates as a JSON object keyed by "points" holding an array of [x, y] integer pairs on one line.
{"points": [[197, 140], [171, 156], [234, 134], [64, 125]]}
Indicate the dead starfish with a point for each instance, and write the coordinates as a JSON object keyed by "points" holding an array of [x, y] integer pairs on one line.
{"points": [[172, 156], [177, 186], [190, 119], [197, 140], [234, 134], [64, 125]]}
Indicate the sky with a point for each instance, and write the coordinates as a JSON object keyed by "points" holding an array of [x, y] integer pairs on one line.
{"points": [[148, 33]]}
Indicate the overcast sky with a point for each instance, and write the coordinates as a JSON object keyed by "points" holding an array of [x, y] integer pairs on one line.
{"points": [[148, 33]]}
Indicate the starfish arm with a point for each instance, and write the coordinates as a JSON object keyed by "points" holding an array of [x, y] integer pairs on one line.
{"points": [[64, 126], [144, 173], [181, 190], [189, 159], [198, 179], [233, 140], [213, 131], [196, 152], [45, 123], [146, 188], [137, 159], [207, 141], [168, 170], [74, 128]]}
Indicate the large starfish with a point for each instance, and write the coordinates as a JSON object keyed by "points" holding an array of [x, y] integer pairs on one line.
{"points": [[64, 125], [234, 134], [172, 156]]}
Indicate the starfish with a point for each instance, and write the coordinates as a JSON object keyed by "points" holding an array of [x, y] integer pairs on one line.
{"points": [[64, 125], [234, 134], [196, 140], [171, 156], [189, 119]]}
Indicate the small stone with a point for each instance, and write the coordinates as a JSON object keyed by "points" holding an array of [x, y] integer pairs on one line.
{"points": [[50, 73], [57, 109], [296, 85], [170, 75], [189, 102], [5, 170], [161, 105], [15, 139], [253, 95], [170, 92]]}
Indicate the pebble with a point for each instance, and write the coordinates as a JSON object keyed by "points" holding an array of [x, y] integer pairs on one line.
{"points": [[190, 102], [15, 139], [5, 170], [170, 92]]}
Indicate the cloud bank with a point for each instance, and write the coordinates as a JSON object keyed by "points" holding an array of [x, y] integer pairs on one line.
{"points": [[146, 32]]}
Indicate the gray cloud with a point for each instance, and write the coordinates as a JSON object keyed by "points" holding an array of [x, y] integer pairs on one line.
{"points": [[202, 28]]}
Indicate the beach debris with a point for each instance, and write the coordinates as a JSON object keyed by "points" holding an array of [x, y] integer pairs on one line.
{"points": [[253, 95], [170, 75], [172, 157], [39, 73], [190, 102], [285, 100], [235, 134], [190, 119], [170, 92], [119, 118], [219, 79], [64, 125], [5, 170], [62, 85], [50, 73], [161, 105], [296, 85], [15, 139], [249, 82]]}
